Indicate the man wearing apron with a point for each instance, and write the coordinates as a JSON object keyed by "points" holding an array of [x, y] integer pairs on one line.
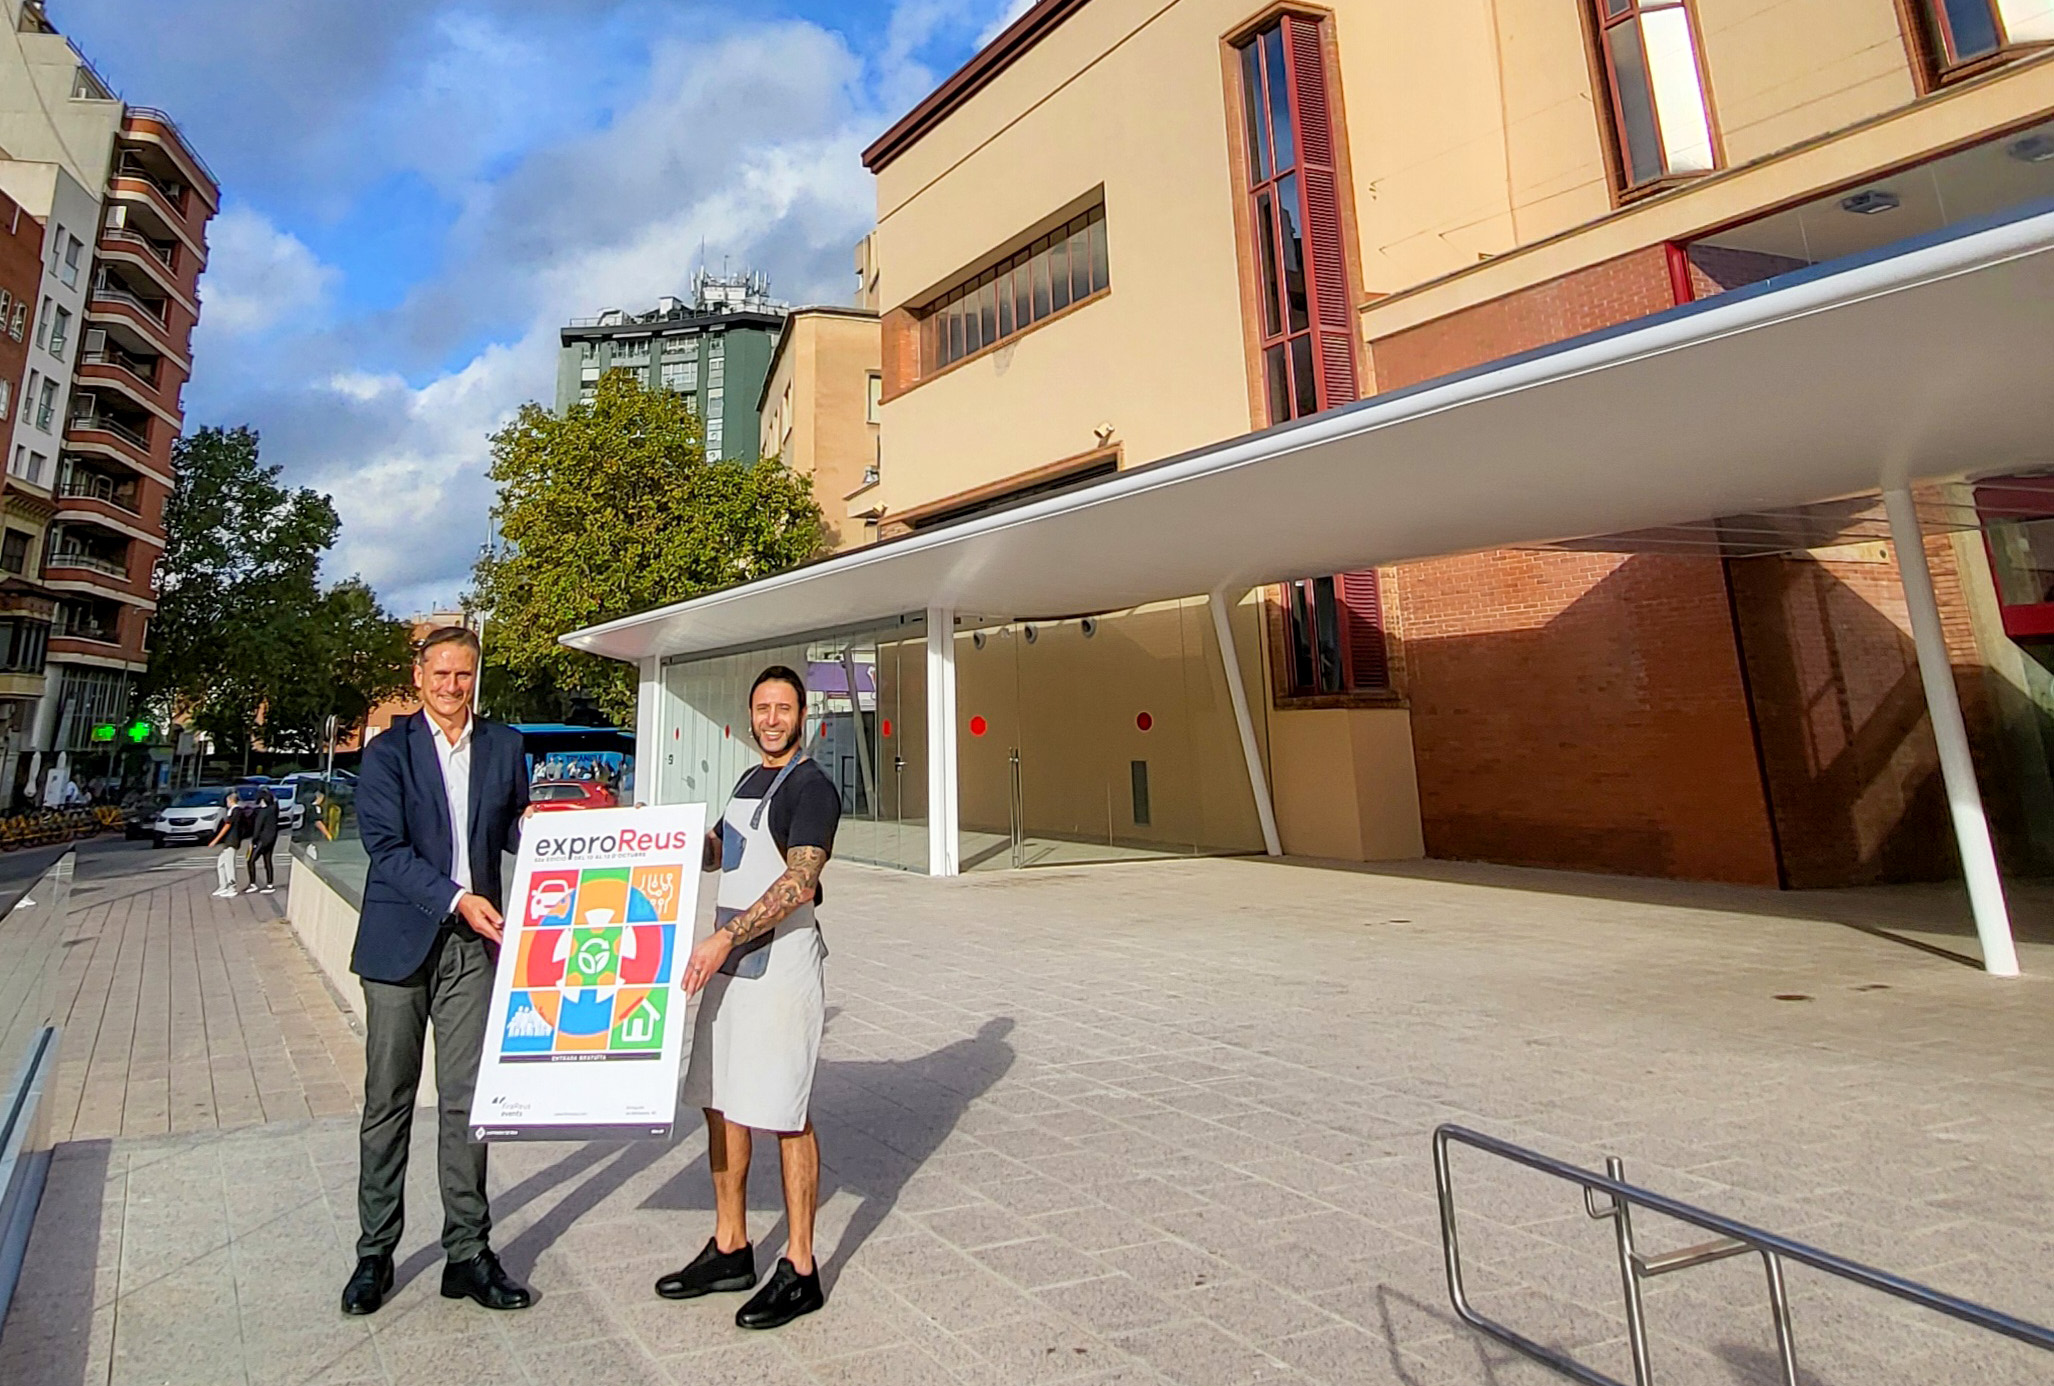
{"points": [[757, 1033]]}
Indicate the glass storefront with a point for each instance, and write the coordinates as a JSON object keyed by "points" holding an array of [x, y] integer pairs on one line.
{"points": [[866, 702], [1102, 738]]}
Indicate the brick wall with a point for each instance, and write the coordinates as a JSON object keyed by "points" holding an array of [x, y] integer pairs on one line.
{"points": [[1847, 742], [21, 274], [1601, 296], [1582, 711]]}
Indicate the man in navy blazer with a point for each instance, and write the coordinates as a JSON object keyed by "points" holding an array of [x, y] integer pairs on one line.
{"points": [[439, 797]]}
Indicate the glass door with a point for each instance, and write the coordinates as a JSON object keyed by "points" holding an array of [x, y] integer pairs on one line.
{"points": [[988, 752]]}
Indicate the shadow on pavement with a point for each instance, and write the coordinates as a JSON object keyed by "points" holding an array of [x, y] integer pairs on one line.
{"points": [[48, 1336], [891, 1114]]}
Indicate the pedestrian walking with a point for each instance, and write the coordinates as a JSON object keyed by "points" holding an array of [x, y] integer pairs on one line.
{"points": [[234, 831], [440, 797], [263, 840], [756, 1038]]}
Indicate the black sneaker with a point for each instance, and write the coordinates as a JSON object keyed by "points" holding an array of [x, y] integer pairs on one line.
{"points": [[788, 1296], [712, 1271]]}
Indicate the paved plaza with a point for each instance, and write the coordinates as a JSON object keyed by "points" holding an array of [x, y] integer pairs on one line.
{"points": [[1144, 1123]]}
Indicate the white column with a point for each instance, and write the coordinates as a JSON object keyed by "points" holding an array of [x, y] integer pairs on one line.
{"points": [[1258, 781], [649, 720], [1971, 828], [943, 805]]}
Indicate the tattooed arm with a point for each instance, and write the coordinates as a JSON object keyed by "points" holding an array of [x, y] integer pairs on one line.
{"points": [[789, 891], [786, 893]]}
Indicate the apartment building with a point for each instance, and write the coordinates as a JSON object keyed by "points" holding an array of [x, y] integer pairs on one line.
{"points": [[1206, 420], [818, 413], [715, 349], [27, 608], [125, 203]]}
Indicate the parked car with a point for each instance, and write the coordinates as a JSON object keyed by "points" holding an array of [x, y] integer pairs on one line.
{"points": [[137, 819], [552, 795], [194, 816], [292, 803]]}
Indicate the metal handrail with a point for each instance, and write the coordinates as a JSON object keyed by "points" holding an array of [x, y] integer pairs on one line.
{"points": [[121, 361], [107, 423], [1732, 1239], [121, 295], [164, 118], [75, 558], [99, 489], [166, 255]]}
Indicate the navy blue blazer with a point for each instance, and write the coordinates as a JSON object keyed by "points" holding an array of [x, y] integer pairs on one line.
{"points": [[403, 819]]}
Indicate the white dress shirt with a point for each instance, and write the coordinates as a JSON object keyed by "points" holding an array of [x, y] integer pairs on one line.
{"points": [[455, 757]]}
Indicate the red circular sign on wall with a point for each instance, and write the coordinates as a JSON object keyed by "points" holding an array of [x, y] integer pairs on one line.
{"points": [[976, 726], [1144, 721], [726, 732], [885, 730]]}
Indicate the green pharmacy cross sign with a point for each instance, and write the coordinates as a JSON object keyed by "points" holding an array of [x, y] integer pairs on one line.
{"points": [[136, 733]]}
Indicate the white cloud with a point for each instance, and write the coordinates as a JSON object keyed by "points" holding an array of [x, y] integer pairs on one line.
{"points": [[1013, 10], [580, 184], [258, 275]]}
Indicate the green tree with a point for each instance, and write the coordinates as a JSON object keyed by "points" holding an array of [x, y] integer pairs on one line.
{"points": [[610, 509], [244, 637]]}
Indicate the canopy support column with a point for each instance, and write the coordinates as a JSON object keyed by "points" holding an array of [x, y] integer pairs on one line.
{"points": [[943, 805], [650, 753], [1957, 770], [1258, 781]]}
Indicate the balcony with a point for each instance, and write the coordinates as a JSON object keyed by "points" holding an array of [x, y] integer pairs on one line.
{"points": [[88, 561], [113, 305], [152, 128], [160, 262], [122, 495], [84, 420]]}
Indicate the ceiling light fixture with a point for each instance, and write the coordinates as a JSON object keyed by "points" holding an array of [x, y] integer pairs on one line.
{"points": [[1867, 204], [2033, 149]]}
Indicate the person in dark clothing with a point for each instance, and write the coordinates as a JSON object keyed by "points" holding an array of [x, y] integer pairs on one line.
{"points": [[263, 839]]}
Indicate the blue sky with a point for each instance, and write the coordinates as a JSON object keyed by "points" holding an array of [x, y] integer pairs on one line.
{"points": [[417, 193]]}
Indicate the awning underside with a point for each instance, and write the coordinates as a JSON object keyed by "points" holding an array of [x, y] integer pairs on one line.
{"points": [[1934, 363]]}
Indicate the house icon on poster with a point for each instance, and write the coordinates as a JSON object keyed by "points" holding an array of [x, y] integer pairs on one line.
{"points": [[641, 1026]]}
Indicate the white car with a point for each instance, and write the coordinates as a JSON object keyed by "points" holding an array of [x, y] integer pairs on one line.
{"points": [[194, 816], [292, 807]]}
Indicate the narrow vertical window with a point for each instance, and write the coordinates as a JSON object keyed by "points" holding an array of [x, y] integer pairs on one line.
{"points": [[1298, 260], [1660, 118]]}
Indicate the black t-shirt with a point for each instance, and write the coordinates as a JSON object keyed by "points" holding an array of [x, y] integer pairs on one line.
{"points": [[804, 812]]}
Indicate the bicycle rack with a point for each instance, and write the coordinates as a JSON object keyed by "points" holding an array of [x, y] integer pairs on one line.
{"points": [[1607, 1195]]}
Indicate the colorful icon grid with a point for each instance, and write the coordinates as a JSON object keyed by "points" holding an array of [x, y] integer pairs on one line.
{"points": [[592, 978]]}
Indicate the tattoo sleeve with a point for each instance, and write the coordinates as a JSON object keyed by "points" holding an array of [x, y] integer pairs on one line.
{"points": [[786, 893]]}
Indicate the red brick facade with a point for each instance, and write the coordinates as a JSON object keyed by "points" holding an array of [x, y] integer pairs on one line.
{"points": [[1601, 296], [1756, 720], [21, 275]]}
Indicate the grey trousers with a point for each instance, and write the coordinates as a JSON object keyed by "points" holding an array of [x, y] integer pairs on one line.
{"points": [[452, 991]]}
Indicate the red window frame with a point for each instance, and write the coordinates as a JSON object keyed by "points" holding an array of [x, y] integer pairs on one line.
{"points": [[1610, 15], [1303, 327], [1334, 636], [1946, 45]]}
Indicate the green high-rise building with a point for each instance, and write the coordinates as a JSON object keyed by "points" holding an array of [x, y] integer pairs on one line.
{"points": [[715, 349]]}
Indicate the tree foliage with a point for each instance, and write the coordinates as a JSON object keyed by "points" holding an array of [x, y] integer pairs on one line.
{"points": [[611, 509], [244, 637]]}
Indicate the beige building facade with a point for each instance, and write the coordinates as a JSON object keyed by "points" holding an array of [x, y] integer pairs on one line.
{"points": [[1470, 180], [818, 414]]}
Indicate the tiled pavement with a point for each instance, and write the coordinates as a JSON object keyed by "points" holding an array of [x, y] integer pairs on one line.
{"points": [[1169, 1123]]}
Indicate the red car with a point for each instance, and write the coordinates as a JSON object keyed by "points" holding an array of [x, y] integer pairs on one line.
{"points": [[551, 795]]}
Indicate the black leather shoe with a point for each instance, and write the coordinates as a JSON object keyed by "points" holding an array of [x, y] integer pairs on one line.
{"points": [[788, 1296], [712, 1272], [368, 1285], [482, 1279]]}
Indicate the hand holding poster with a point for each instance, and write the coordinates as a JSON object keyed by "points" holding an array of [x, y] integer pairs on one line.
{"points": [[587, 1032]]}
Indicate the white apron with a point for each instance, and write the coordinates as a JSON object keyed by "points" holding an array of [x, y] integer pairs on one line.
{"points": [[756, 1039]]}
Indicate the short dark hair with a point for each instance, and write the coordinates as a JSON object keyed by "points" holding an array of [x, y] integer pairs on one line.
{"points": [[779, 673], [448, 635]]}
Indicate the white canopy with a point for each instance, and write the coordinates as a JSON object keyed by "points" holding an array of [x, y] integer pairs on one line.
{"points": [[1934, 362]]}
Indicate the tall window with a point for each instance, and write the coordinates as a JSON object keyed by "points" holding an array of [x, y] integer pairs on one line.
{"points": [[1334, 635], [1308, 352], [14, 551], [1066, 266], [74, 251], [60, 332], [1659, 114], [1964, 30]]}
